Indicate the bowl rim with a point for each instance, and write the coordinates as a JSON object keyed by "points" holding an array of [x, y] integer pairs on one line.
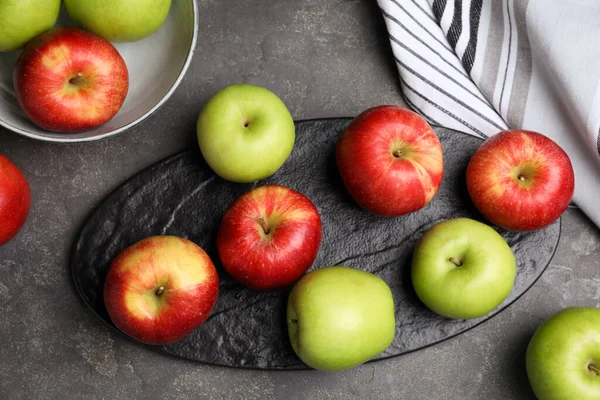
{"points": [[136, 121]]}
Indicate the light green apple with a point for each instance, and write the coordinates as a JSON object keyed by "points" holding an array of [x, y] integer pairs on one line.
{"points": [[339, 317], [22, 20], [563, 357], [245, 133], [462, 268], [119, 20]]}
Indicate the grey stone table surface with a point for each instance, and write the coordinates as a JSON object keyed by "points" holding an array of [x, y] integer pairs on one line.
{"points": [[325, 59]]}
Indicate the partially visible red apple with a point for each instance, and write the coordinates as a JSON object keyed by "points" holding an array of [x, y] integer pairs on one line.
{"points": [[70, 80], [160, 289], [390, 161], [269, 237], [520, 180], [15, 199]]}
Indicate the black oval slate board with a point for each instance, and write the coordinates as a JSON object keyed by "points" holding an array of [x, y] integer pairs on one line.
{"points": [[182, 196]]}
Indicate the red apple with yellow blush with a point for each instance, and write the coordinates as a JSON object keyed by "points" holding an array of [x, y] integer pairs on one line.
{"points": [[520, 180], [390, 161], [160, 289], [70, 80]]}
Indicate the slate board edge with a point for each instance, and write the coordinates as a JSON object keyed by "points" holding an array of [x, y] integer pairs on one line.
{"points": [[301, 366]]}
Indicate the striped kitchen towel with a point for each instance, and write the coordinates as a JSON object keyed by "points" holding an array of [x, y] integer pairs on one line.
{"points": [[482, 66]]}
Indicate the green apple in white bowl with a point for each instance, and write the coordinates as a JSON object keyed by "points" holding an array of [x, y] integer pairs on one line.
{"points": [[339, 318], [245, 133], [563, 356], [119, 20], [22, 20], [462, 268]]}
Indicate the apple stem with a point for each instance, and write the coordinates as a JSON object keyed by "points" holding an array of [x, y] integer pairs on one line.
{"points": [[77, 80], [521, 178], [292, 321], [456, 262], [263, 225], [397, 153], [160, 290], [594, 369]]}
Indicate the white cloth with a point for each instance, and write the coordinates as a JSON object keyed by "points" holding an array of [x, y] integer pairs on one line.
{"points": [[482, 66]]}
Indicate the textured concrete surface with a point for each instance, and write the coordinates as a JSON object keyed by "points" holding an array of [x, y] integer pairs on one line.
{"points": [[324, 59]]}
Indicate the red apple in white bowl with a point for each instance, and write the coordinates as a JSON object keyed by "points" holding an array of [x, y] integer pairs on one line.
{"points": [[520, 180], [390, 161], [269, 237], [160, 289], [70, 80]]}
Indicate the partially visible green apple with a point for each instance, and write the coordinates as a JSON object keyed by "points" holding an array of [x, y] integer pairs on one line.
{"points": [[22, 20], [563, 357], [462, 268], [245, 133], [339, 317], [120, 20]]}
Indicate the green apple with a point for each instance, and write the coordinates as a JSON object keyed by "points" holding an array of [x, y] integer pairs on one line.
{"points": [[339, 317], [245, 133], [120, 20], [22, 20], [462, 268], [563, 357]]}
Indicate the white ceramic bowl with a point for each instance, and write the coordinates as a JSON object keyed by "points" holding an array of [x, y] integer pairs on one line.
{"points": [[156, 66]]}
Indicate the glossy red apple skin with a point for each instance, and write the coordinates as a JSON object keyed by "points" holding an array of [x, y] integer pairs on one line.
{"points": [[383, 183], [190, 288], [49, 63], [494, 185], [15, 199], [273, 260]]}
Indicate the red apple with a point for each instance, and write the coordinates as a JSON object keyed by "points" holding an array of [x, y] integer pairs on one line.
{"points": [[520, 180], [160, 289], [15, 199], [70, 80], [269, 237], [390, 161]]}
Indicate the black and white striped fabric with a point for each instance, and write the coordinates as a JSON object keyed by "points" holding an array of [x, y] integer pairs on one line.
{"points": [[483, 66]]}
